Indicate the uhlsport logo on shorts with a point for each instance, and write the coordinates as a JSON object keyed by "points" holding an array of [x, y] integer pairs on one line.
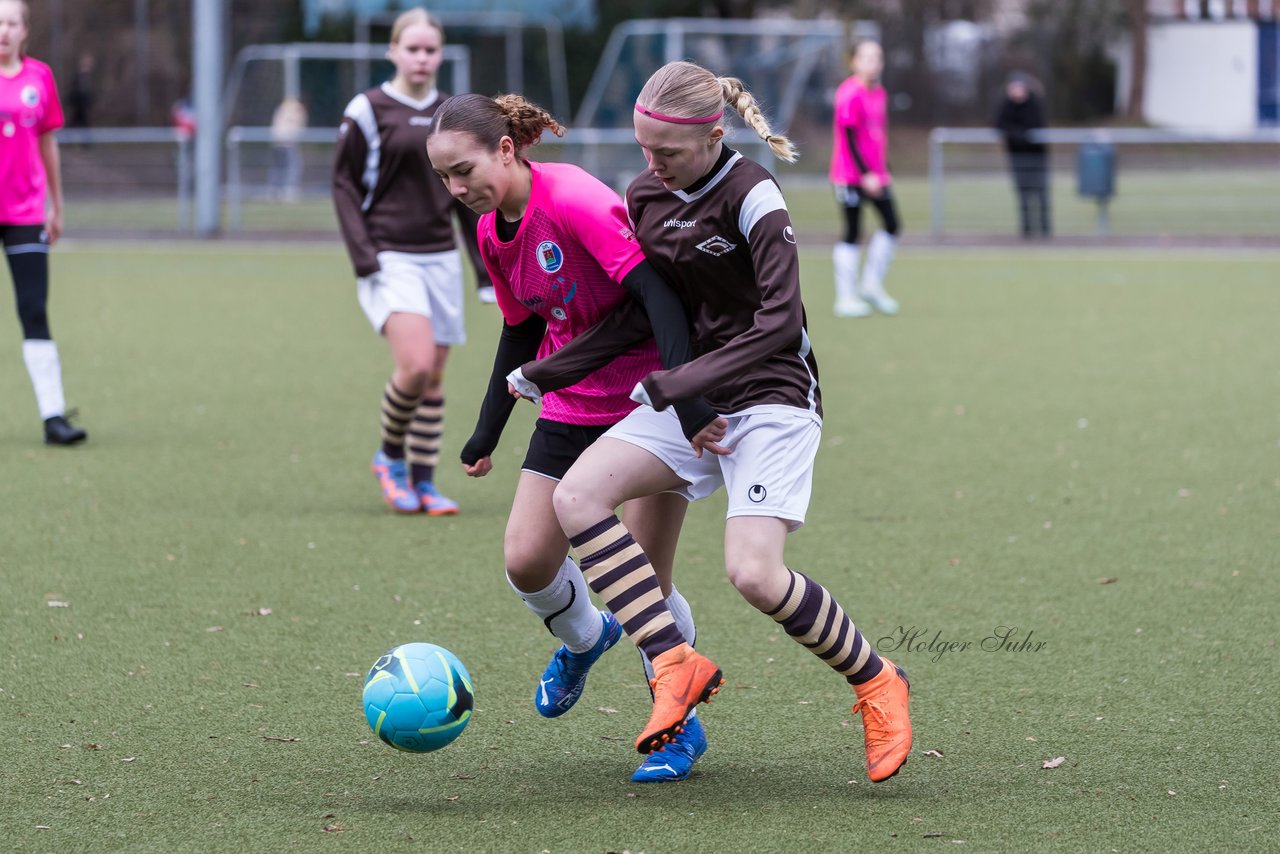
{"points": [[757, 493], [550, 258]]}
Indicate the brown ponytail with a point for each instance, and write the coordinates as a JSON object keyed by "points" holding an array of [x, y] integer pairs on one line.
{"points": [[490, 119]]}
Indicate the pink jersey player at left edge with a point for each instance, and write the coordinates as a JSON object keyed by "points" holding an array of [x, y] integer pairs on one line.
{"points": [[564, 264], [29, 108], [861, 111], [31, 210]]}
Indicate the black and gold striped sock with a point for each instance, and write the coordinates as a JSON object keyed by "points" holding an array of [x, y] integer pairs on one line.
{"points": [[813, 618], [618, 570], [397, 412], [423, 441]]}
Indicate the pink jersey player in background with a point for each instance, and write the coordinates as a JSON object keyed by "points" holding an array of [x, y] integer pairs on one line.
{"points": [[562, 257], [31, 208], [860, 170]]}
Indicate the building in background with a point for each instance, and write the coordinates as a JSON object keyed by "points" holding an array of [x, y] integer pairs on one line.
{"points": [[1209, 65]]}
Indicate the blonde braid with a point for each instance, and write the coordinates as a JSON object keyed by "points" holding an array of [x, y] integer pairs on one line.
{"points": [[745, 104]]}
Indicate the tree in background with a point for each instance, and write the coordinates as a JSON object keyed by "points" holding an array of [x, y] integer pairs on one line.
{"points": [[1138, 39], [1071, 37], [137, 79], [138, 76]]}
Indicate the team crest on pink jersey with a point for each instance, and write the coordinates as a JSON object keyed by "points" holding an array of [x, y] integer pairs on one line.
{"points": [[30, 96], [550, 256]]}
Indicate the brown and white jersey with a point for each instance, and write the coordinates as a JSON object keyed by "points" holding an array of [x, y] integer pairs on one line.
{"points": [[386, 194], [728, 248]]}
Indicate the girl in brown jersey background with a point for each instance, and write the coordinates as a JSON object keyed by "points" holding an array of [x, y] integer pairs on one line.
{"points": [[714, 224], [397, 222]]}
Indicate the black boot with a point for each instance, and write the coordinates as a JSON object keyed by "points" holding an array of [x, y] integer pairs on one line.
{"points": [[59, 431]]}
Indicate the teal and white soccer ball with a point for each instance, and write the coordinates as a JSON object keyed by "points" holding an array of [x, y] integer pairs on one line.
{"points": [[418, 697]]}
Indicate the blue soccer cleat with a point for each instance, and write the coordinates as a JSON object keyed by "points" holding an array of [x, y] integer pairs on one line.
{"points": [[433, 502], [675, 760], [393, 478], [565, 677]]}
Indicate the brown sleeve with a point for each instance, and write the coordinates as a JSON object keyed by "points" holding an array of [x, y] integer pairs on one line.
{"points": [[348, 197], [776, 325], [622, 329]]}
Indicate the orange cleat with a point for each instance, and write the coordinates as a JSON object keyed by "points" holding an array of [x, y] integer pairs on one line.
{"points": [[682, 679], [886, 723]]}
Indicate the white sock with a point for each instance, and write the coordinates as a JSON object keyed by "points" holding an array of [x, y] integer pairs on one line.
{"points": [[683, 614], [879, 256], [566, 609], [46, 376], [845, 258]]}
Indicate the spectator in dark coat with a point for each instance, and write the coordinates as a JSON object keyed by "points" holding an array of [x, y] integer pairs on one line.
{"points": [[1021, 113]]}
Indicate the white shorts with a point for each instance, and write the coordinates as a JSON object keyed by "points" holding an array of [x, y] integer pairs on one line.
{"points": [[769, 473], [428, 284]]}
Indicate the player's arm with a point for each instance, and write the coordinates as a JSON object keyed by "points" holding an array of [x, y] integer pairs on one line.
{"points": [[671, 331], [595, 217], [52, 161], [622, 329], [349, 192], [851, 135], [517, 344], [870, 159], [847, 120], [50, 157]]}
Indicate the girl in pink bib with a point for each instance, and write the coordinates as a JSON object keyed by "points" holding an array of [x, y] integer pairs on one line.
{"points": [[31, 208]]}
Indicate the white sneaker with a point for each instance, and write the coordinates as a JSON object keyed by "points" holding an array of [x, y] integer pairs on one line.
{"points": [[884, 304], [855, 307], [486, 294]]}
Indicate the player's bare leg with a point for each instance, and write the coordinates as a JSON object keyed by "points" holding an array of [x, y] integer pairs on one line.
{"points": [[551, 585], [607, 474], [413, 350], [812, 617]]}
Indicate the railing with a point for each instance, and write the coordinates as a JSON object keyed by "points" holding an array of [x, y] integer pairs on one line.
{"points": [[183, 155], [610, 154], [1233, 178]]}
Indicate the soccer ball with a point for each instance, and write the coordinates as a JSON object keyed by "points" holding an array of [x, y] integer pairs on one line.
{"points": [[418, 697]]}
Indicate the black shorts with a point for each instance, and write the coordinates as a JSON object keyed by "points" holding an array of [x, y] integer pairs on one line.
{"points": [[555, 446], [25, 238]]}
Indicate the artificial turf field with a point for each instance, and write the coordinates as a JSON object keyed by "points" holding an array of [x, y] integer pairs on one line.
{"points": [[1034, 423]]}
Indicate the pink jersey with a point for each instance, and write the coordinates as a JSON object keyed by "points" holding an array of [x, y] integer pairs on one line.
{"points": [[864, 111], [573, 247], [29, 108]]}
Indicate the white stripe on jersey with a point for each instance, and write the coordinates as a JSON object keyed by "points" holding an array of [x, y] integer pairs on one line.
{"points": [[693, 197], [410, 102], [806, 347], [764, 199], [360, 111]]}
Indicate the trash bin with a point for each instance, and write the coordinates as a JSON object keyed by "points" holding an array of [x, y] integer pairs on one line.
{"points": [[1096, 170]]}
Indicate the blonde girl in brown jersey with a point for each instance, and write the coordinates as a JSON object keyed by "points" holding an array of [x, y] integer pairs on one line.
{"points": [[397, 223], [715, 225]]}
